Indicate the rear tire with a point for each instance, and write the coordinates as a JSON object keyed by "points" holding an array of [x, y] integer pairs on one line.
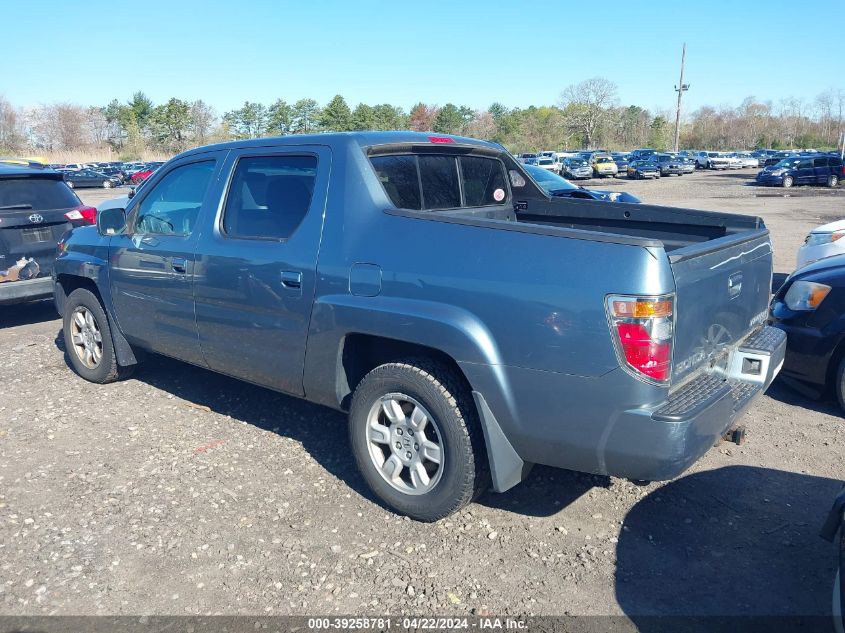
{"points": [[832, 180], [88, 341], [394, 461]]}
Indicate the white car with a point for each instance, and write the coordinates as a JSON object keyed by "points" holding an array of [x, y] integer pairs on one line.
{"points": [[823, 241], [746, 159], [548, 162]]}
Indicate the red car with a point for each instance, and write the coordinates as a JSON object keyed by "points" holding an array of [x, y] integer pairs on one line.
{"points": [[140, 176]]}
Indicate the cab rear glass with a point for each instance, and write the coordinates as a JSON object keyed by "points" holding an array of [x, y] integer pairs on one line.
{"points": [[441, 181]]}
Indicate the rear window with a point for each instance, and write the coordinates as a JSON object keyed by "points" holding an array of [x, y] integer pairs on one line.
{"points": [[39, 194], [441, 181]]}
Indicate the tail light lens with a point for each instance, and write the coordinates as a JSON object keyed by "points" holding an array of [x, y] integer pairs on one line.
{"points": [[82, 214], [643, 330]]}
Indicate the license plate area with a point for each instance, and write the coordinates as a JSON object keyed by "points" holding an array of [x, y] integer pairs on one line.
{"points": [[36, 234]]}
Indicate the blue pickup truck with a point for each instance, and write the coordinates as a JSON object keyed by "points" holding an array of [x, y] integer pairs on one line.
{"points": [[470, 324]]}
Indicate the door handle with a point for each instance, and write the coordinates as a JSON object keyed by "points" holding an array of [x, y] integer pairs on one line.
{"points": [[291, 279], [179, 264]]}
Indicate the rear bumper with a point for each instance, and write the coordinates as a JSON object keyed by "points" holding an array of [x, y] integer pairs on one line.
{"points": [[662, 443], [29, 290]]}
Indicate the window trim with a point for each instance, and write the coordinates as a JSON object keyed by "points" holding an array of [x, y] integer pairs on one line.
{"points": [[228, 189], [132, 218]]}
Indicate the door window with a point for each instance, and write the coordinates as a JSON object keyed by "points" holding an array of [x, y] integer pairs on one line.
{"points": [[172, 205], [269, 196], [820, 162]]}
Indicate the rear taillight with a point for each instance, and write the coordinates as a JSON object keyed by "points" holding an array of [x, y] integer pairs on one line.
{"points": [[82, 214], [643, 329]]}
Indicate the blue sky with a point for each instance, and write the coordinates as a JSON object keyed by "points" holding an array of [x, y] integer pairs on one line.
{"points": [[464, 51]]}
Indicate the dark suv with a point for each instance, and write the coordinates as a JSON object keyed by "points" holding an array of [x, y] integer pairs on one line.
{"points": [[804, 170], [36, 209], [670, 164]]}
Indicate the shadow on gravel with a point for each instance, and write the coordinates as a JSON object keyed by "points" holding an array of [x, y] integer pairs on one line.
{"points": [[321, 431], [546, 491], [26, 313], [798, 395], [733, 541]]}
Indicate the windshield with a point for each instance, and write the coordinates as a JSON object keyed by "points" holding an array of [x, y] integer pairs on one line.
{"points": [[549, 181], [577, 162], [786, 162], [546, 161], [604, 159]]}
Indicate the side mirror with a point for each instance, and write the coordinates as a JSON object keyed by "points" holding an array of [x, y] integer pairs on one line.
{"points": [[131, 192], [111, 221]]}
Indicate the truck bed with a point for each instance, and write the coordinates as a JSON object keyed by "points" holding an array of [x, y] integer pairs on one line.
{"points": [[675, 228]]}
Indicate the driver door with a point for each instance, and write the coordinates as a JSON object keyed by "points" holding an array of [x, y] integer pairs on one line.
{"points": [[152, 262]]}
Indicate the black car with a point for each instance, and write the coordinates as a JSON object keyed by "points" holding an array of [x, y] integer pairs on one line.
{"points": [[90, 178], [670, 165], [115, 172], [810, 308], [36, 209], [644, 168], [559, 187]]}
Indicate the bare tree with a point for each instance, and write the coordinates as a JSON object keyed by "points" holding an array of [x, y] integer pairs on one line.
{"points": [[586, 106], [12, 128], [202, 121]]}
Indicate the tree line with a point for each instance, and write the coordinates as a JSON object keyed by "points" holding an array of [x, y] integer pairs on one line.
{"points": [[587, 114]]}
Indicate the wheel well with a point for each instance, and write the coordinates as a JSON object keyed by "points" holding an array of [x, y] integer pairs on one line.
{"points": [[67, 284], [361, 353], [833, 365]]}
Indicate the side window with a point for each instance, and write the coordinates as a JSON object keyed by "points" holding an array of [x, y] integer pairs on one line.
{"points": [[172, 205], [269, 196], [820, 162], [805, 164]]}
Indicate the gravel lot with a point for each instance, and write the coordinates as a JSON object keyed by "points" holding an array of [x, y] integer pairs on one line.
{"points": [[181, 491]]}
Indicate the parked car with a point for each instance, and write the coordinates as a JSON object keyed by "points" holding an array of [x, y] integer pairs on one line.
{"points": [[669, 165], [603, 166], [810, 308], [446, 360], [113, 172], [74, 166], [823, 241], [525, 156], [77, 179], [559, 187], [688, 163], [36, 209], [575, 168], [621, 161], [647, 167], [712, 160], [548, 162], [639, 154], [745, 160], [823, 170]]}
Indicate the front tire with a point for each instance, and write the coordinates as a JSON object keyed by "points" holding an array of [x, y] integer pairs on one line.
{"points": [[88, 341], [69, 183], [107, 184], [416, 438], [788, 182]]}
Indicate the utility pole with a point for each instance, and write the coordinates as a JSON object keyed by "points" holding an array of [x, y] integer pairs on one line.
{"points": [[681, 88]]}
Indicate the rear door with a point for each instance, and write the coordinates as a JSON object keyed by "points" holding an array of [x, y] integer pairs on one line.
{"points": [[32, 220], [821, 170], [722, 295], [256, 270]]}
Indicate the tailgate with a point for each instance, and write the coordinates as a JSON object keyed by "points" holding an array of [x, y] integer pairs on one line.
{"points": [[722, 294]]}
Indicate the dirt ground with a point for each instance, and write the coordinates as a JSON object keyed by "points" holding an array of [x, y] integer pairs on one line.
{"points": [[181, 491]]}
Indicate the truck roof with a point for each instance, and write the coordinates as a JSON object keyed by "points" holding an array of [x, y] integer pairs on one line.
{"points": [[362, 139]]}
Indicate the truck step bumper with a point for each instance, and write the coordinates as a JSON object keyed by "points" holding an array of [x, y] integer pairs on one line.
{"points": [[661, 444]]}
